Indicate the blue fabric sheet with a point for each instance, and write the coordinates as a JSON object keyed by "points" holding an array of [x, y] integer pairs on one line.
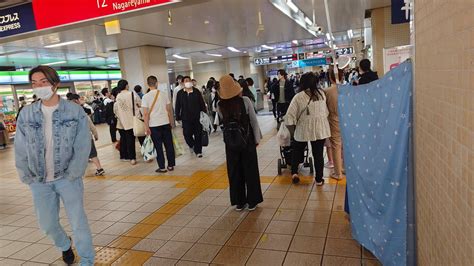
{"points": [[375, 122]]}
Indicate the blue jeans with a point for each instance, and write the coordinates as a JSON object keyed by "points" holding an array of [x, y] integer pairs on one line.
{"points": [[46, 199]]}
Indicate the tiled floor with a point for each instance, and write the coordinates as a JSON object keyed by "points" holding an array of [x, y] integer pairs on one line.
{"points": [[184, 218]]}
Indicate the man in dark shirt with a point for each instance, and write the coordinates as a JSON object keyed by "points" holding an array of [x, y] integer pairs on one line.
{"points": [[367, 75], [189, 105]]}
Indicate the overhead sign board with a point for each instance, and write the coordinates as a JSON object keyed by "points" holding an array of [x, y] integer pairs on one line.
{"points": [[16, 20], [52, 13], [345, 51], [314, 62], [43, 14]]}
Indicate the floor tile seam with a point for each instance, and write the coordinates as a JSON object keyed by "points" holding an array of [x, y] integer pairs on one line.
{"points": [[299, 221], [170, 216], [271, 219]]}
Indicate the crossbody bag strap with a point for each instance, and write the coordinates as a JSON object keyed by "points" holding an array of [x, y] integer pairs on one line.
{"points": [[154, 101], [309, 102], [133, 104]]}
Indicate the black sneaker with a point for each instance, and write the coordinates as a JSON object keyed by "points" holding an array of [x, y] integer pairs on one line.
{"points": [[68, 256], [239, 208], [99, 172], [252, 207]]}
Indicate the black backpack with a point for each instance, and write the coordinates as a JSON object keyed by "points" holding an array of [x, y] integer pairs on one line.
{"points": [[237, 130]]}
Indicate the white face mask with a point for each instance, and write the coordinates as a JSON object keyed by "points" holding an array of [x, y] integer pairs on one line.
{"points": [[44, 93], [188, 85]]}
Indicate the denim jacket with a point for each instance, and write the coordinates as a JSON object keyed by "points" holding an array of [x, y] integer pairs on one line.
{"points": [[72, 142]]}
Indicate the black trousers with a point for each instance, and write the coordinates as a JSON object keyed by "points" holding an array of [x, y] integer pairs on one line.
{"points": [[318, 158], [162, 135], [192, 131], [274, 108], [113, 132], [244, 177], [127, 145], [281, 110], [141, 140]]}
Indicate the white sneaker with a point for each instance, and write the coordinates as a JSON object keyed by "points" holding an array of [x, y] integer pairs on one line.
{"points": [[337, 177], [329, 165], [199, 155]]}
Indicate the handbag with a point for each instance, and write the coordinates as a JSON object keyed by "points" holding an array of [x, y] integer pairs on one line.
{"points": [[178, 149], [138, 124], [148, 149], [205, 138]]}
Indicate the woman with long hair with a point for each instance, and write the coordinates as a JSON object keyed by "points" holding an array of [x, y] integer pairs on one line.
{"points": [[308, 115], [241, 137]]}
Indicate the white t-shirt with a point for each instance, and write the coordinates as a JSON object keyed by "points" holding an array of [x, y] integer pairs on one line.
{"points": [[159, 114], [48, 140]]}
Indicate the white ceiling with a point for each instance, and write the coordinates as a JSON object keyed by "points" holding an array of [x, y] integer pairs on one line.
{"points": [[197, 26]]}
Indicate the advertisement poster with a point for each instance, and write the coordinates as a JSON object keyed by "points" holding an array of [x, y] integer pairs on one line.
{"points": [[392, 57], [10, 122]]}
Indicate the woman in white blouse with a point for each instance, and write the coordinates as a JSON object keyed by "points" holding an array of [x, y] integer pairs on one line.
{"points": [[309, 113]]}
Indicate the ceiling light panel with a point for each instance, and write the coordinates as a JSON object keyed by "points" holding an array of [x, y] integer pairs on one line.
{"points": [[232, 49], [62, 44]]}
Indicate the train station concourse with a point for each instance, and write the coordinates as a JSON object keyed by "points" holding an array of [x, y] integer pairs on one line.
{"points": [[236, 132]]}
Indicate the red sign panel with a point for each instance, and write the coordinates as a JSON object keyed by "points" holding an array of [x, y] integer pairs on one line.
{"points": [[52, 13]]}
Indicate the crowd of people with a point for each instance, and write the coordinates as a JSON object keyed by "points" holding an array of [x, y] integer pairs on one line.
{"points": [[55, 137]]}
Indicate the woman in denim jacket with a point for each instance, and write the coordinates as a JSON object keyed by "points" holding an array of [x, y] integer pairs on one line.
{"points": [[52, 146]]}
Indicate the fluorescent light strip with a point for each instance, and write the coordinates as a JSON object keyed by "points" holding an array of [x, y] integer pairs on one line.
{"points": [[55, 63], [205, 62], [267, 47], [292, 6], [307, 20], [179, 57], [216, 55], [232, 49], [350, 34], [62, 44], [295, 42], [170, 61], [13, 52]]}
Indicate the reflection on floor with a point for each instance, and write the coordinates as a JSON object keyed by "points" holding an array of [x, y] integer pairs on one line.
{"points": [[184, 218]]}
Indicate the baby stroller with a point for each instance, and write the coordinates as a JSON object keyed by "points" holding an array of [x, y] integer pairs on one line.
{"points": [[285, 160]]}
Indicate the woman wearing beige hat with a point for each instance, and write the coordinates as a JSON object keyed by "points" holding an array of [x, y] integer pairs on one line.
{"points": [[241, 137]]}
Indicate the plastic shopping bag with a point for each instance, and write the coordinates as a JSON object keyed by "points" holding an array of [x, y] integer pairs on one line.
{"points": [[205, 122], [284, 136], [178, 149], [148, 149]]}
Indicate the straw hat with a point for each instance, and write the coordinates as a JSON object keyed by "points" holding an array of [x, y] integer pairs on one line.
{"points": [[229, 88]]}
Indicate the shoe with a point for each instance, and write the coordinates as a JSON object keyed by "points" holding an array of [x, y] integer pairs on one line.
{"points": [[191, 150], [199, 155], [170, 168], [335, 176], [161, 170], [68, 256], [320, 183], [133, 162], [239, 208], [99, 172], [295, 179], [329, 165], [124, 160], [252, 207]]}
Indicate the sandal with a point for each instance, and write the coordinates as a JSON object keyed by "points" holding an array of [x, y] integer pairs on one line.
{"points": [[295, 179]]}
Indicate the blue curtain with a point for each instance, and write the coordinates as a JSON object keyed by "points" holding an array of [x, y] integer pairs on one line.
{"points": [[375, 121]]}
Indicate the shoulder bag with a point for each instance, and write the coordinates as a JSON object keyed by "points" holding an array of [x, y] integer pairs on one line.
{"points": [[292, 128], [138, 125]]}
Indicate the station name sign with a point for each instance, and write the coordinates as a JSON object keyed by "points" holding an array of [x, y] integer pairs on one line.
{"points": [[44, 14]]}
